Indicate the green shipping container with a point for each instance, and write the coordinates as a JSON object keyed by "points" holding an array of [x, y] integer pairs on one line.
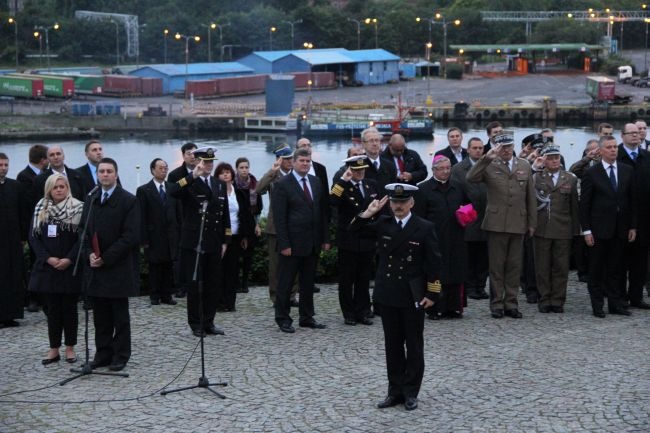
{"points": [[88, 84], [52, 86], [26, 88]]}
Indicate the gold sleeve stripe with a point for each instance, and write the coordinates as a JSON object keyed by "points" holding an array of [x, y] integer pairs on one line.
{"points": [[182, 182], [434, 287], [337, 190]]}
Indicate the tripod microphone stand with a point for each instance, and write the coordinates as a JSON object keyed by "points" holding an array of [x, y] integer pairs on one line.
{"points": [[197, 278], [85, 369]]}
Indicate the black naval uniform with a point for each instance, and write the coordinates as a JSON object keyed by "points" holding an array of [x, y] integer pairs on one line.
{"points": [[192, 193], [408, 270], [356, 251]]}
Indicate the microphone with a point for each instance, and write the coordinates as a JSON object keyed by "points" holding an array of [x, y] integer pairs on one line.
{"points": [[93, 191], [204, 206]]}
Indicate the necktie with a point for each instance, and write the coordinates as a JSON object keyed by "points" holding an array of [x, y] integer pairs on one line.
{"points": [[633, 155], [555, 176], [612, 177], [305, 190], [163, 196], [357, 186], [376, 164], [399, 224], [400, 163], [207, 181], [104, 197]]}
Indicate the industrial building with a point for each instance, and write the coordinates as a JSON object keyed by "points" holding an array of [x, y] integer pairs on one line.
{"points": [[175, 75]]}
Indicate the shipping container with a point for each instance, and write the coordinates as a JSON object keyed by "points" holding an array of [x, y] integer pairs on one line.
{"points": [[301, 79], [601, 88], [23, 87], [52, 85], [89, 84], [151, 86], [125, 84], [323, 80], [201, 88]]}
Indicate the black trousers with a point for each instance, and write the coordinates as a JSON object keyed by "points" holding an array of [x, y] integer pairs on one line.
{"points": [[112, 329], [161, 280], [581, 256], [62, 318], [528, 277], [209, 272], [605, 264], [477, 266], [634, 272], [288, 268], [404, 342], [227, 290], [355, 271]]}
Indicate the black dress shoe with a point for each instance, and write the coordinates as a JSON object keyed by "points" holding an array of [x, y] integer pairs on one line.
{"points": [[544, 308], [285, 327], [312, 325], [599, 313], [316, 289], [32, 307], [557, 309], [213, 330], [619, 311], [48, 361], [168, 301], [531, 297], [10, 324], [365, 321], [198, 333], [641, 305], [350, 322], [411, 403], [390, 401], [514, 313], [583, 278], [117, 366], [180, 294], [97, 364], [497, 314], [294, 303], [155, 302]]}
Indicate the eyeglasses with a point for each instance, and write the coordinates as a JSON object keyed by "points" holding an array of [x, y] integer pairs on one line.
{"points": [[631, 133]]}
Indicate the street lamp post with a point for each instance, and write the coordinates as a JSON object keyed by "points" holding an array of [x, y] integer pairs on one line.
{"points": [[429, 45], [210, 27], [374, 21], [47, 39], [117, 42], [444, 24], [430, 21], [358, 23], [178, 37], [271, 31], [15, 23], [39, 36], [220, 28], [647, 20], [165, 33], [292, 23]]}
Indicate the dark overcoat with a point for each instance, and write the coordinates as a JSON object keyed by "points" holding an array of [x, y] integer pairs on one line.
{"points": [[44, 278], [161, 223], [14, 222]]}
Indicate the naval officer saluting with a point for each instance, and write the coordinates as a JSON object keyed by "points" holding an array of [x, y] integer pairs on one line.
{"points": [[407, 282]]}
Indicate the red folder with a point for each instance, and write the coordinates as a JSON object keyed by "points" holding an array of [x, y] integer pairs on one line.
{"points": [[95, 242]]}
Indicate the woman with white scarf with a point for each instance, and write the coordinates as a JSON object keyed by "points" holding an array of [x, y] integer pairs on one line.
{"points": [[55, 241]]}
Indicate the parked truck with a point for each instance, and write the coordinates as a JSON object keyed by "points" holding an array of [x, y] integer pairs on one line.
{"points": [[603, 89]]}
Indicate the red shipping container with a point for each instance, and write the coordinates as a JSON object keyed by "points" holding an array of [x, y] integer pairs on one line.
{"points": [[323, 80], [124, 83], [301, 79], [228, 86], [147, 87], [157, 86], [201, 88]]}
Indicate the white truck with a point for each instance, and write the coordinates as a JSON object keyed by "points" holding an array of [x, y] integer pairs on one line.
{"points": [[625, 76]]}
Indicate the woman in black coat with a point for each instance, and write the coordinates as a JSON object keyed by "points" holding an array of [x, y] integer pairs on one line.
{"points": [[55, 241], [242, 225], [246, 182], [437, 200]]}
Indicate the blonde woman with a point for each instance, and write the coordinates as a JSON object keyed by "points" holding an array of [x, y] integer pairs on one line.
{"points": [[55, 241]]}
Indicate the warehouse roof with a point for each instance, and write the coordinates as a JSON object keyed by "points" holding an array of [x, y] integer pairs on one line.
{"points": [[515, 48], [326, 56], [199, 68], [376, 55]]}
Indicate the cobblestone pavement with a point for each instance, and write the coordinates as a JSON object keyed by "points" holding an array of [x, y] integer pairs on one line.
{"points": [[548, 372]]}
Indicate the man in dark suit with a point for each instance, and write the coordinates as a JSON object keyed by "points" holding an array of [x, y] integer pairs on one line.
{"points": [[112, 249], [302, 231], [454, 151], [608, 220], [161, 219], [408, 164], [189, 162], [88, 172], [407, 282], [350, 194], [475, 237], [37, 163], [492, 129], [56, 160], [380, 169], [643, 133], [198, 190], [635, 262]]}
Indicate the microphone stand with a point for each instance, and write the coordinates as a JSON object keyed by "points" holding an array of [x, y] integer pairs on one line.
{"points": [[85, 370], [197, 278]]}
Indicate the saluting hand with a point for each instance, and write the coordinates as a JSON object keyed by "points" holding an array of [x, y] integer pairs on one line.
{"points": [[347, 175], [493, 152], [374, 207], [276, 165]]}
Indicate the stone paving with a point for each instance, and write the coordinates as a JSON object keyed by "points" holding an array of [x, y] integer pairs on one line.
{"points": [[565, 372]]}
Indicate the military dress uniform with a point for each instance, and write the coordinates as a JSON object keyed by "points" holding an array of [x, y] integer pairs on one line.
{"points": [[557, 223], [193, 192], [408, 270], [356, 251]]}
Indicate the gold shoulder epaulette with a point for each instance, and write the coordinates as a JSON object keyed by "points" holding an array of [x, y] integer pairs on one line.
{"points": [[433, 287]]}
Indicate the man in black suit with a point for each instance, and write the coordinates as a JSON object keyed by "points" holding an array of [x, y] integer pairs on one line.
{"points": [[492, 129], [643, 133], [56, 160], [454, 151], [635, 262], [408, 164], [88, 172], [37, 163], [381, 170], [197, 190], [113, 250], [350, 194], [608, 220], [161, 219], [302, 231], [189, 162], [407, 282]]}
